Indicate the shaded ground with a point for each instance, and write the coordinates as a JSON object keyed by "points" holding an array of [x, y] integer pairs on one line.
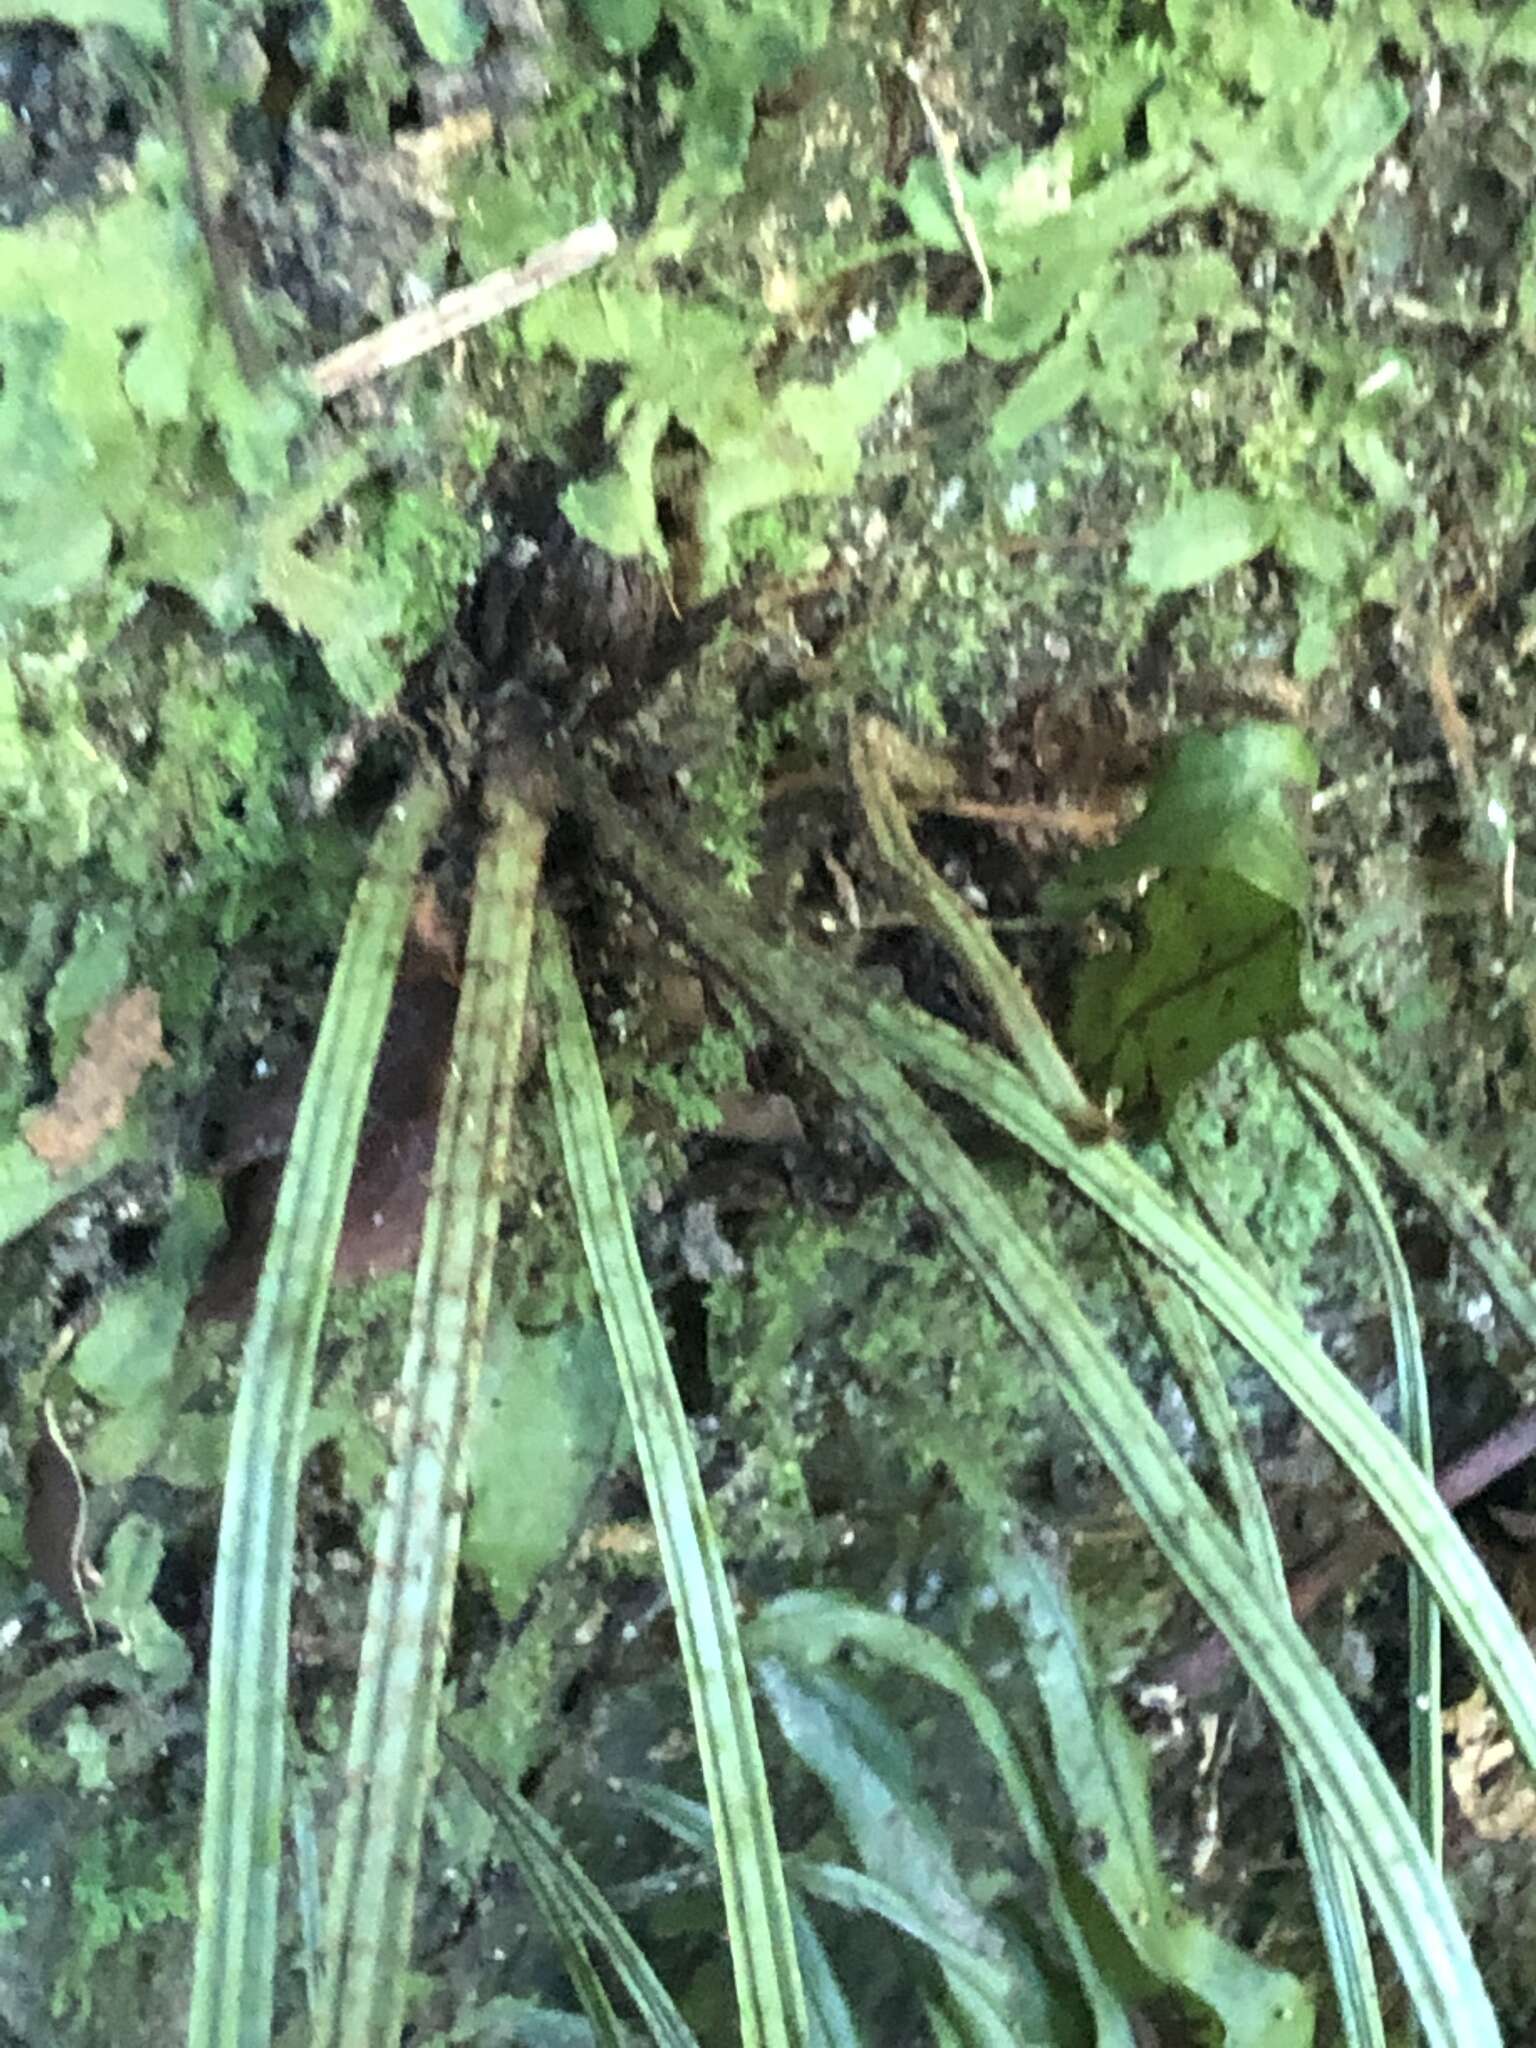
{"points": [[1244, 436]]}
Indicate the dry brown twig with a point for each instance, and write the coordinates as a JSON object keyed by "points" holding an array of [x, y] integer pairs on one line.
{"points": [[459, 312]]}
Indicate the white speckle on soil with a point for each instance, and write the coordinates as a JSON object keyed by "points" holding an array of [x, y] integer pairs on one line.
{"points": [[1021, 501]]}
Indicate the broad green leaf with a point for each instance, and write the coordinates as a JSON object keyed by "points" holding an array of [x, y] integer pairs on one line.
{"points": [[1214, 961], [1237, 801], [447, 33], [1102, 1770], [1218, 937], [543, 1435], [1198, 537]]}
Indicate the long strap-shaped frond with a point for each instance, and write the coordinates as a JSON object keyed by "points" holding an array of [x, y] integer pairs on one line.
{"points": [[1334, 1885], [1405, 1890], [391, 1754], [770, 2000], [1389, 1134], [248, 1665]]}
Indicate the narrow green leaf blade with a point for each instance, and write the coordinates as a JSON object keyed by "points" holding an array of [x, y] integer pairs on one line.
{"points": [[1426, 1765], [814, 1627], [1238, 1302], [583, 1912], [1334, 1886], [391, 1752], [811, 1007], [1390, 1134], [248, 1664], [769, 1995], [871, 1777], [1103, 1772]]}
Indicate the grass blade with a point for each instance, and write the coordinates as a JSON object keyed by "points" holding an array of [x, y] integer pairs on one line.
{"points": [[769, 1994], [1393, 1138], [576, 1912], [1426, 1768], [306, 1858], [391, 1752], [811, 1007], [236, 1940], [1334, 1887]]}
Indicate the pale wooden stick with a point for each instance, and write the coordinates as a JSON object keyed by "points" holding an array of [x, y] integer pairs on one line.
{"points": [[944, 149], [455, 313]]}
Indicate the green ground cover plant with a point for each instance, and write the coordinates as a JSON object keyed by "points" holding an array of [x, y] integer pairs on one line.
{"points": [[755, 1028]]}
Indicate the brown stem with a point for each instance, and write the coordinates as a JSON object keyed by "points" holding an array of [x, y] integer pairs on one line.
{"points": [[1197, 1672]]}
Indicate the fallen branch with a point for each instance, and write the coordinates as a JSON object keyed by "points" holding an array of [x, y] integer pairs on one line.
{"points": [[458, 312]]}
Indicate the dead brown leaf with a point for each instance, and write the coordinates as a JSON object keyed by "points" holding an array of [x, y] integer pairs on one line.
{"points": [[1488, 1781], [122, 1042]]}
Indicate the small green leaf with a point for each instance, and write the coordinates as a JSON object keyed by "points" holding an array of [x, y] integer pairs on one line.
{"points": [[127, 1355], [1008, 196], [625, 26], [1218, 940], [543, 1435], [125, 1602], [1201, 536], [1052, 388], [145, 20], [95, 970], [447, 34], [618, 511], [348, 609]]}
